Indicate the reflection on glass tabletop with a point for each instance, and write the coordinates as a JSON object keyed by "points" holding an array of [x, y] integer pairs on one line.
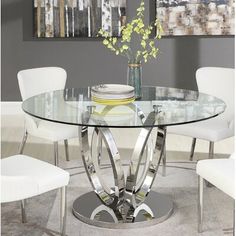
{"points": [[158, 106]]}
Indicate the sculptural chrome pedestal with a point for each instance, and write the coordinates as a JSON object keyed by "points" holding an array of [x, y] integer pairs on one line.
{"points": [[130, 203]]}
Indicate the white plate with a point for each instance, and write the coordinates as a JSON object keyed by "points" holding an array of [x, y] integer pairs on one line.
{"points": [[112, 96], [112, 89]]}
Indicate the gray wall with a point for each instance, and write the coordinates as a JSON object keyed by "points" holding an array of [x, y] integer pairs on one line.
{"points": [[88, 62]]}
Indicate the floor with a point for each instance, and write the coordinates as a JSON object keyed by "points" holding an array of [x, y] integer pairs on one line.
{"points": [[179, 183]]}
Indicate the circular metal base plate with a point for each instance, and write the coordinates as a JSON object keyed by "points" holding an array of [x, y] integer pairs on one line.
{"points": [[160, 204]]}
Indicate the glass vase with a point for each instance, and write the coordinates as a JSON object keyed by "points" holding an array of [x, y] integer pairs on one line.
{"points": [[134, 78]]}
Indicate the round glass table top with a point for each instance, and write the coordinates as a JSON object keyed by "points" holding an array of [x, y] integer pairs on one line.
{"points": [[158, 106]]}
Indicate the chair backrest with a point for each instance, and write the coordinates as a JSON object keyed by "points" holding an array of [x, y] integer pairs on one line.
{"points": [[40, 80], [219, 82]]}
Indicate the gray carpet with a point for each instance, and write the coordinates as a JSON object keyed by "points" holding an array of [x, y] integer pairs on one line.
{"points": [[180, 184]]}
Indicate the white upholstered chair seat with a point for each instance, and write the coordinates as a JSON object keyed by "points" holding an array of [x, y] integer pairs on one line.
{"points": [[213, 130], [54, 131], [24, 177], [220, 173]]}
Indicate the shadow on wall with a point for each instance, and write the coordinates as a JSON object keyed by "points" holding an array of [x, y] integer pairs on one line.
{"points": [[13, 9], [186, 61], [19, 9]]}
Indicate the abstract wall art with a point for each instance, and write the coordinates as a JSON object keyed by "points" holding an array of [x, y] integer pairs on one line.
{"points": [[78, 18], [196, 17]]}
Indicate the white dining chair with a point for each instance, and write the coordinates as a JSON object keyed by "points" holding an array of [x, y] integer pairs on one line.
{"points": [[40, 80], [218, 172], [23, 177], [219, 82]]}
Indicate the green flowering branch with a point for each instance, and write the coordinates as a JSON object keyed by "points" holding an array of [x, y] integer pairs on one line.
{"points": [[136, 29]]}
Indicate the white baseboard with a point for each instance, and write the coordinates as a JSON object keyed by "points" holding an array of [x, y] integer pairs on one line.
{"points": [[11, 108]]}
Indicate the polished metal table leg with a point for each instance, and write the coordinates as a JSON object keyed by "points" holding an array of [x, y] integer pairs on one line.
{"points": [[192, 149], [63, 211], [200, 203], [110, 197], [99, 148], [56, 159], [103, 208], [22, 145], [143, 207], [66, 149], [161, 145], [23, 212], [130, 199]]}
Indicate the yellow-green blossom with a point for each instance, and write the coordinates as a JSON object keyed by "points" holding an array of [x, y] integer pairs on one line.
{"points": [[134, 30]]}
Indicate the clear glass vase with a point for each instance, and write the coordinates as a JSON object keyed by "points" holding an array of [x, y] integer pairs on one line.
{"points": [[134, 78]]}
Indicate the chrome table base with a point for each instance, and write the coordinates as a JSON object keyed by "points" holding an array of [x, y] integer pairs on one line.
{"points": [[127, 200], [86, 206]]}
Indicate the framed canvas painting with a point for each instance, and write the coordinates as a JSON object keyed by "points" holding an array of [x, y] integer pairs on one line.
{"points": [[196, 17], [78, 18]]}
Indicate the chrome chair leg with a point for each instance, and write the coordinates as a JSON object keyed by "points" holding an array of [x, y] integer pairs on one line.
{"points": [[234, 219], [66, 150], [56, 161], [164, 161], [63, 211], [23, 213], [211, 150], [22, 145], [200, 203], [192, 149], [210, 156]]}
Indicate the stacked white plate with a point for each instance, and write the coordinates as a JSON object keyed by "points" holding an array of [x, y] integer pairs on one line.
{"points": [[112, 94]]}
